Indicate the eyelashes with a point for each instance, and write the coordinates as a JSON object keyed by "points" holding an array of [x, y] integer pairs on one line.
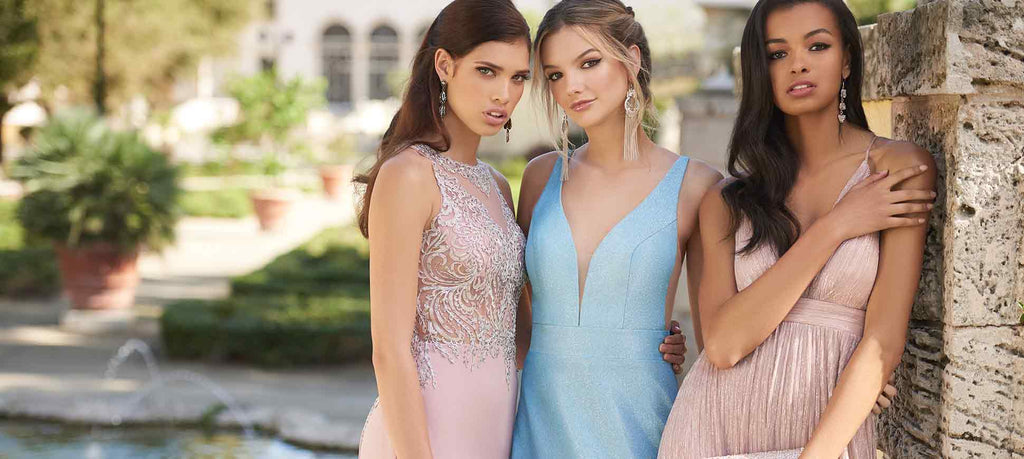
{"points": [[487, 71], [781, 54], [587, 64]]}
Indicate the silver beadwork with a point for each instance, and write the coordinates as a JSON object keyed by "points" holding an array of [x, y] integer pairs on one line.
{"points": [[470, 275]]}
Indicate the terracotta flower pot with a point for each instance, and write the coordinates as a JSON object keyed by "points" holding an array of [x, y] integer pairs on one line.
{"points": [[337, 180], [272, 207], [98, 276]]}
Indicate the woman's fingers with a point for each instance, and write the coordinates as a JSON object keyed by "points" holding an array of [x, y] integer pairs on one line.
{"points": [[884, 402], [910, 208], [900, 222], [890, 391], [675, 351], [903, 174], [911, 195]]}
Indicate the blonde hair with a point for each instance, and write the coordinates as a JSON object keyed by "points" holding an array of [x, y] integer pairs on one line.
{"points": [[611, 28]]}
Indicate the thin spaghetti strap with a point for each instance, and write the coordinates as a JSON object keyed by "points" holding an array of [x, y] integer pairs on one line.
{"points": [[867, 153]]}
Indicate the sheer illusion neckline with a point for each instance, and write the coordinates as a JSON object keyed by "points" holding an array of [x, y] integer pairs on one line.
{"points": [[478, 174]]}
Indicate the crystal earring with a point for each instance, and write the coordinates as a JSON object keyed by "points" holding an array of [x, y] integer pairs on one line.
{"points": [[444, 98], [630, 147], [564, 150], [842, 102], [508, 129], [632, 104]]}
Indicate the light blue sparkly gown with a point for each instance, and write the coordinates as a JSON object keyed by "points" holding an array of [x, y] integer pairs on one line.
{"points": [[594, 383]]}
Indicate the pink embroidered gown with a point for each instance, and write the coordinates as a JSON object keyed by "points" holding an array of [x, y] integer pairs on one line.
{"points": [[470, 278]]}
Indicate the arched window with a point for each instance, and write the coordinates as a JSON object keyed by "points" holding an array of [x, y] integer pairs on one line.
{"points": [[384, 48], [337, 64]]}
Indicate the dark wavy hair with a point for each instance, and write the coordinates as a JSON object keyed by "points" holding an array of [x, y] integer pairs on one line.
{"points": [[761, 156], [459, 28]]}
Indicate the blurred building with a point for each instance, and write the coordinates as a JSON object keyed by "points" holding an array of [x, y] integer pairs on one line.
{"points": [[363, 50]]}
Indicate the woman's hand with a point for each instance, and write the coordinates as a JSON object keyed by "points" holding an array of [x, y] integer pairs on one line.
{"points": [[673, 349], [872, 205], [885, 397]]}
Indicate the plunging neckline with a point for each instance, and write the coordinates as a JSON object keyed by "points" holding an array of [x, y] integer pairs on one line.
{"points": [[582, 285]]}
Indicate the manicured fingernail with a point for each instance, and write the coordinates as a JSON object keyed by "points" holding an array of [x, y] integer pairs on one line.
{"points": [[930, 206], [934, 194], [920, 220], [924, 168]]}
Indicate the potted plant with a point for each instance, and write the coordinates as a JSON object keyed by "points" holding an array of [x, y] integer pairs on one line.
{"points": [[336, 173], [101, 197], [270, 110]]}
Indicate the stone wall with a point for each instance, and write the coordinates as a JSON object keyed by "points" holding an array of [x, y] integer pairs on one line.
{"points": [[952, 72]]}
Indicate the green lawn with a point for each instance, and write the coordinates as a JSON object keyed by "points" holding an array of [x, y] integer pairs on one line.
{"points": [[225, 203]]}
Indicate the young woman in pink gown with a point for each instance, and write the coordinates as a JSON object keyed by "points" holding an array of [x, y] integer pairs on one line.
{"points": [[446, 254], [812, 254]]}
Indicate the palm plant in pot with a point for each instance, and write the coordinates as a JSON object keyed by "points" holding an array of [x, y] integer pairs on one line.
{"points": [[101, 197], [270, 111]]}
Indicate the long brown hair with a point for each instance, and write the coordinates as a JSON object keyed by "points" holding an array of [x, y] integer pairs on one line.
{"points": [[458, 29]]}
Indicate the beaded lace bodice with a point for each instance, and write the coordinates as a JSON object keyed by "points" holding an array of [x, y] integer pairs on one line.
{"points": [[470, 272]]}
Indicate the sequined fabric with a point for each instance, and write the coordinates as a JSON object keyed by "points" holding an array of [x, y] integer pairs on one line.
{"points": [[594, 384], [773, 399]]}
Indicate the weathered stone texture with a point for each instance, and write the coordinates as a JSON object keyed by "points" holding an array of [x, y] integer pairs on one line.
{"points": [[912, 425], [984, 233], [981, 386], [954, 71]]}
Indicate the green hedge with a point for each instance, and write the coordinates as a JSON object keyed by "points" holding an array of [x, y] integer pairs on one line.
{"points": [[308, 306], [271, 331], [27, 269]]}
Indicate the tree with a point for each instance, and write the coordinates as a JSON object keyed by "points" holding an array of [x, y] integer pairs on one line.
{"points": [[147, 44], [867, 11], [270, 109], [19, 46]]}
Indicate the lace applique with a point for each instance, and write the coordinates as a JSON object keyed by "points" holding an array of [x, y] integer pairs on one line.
{"points": [[470, 276], [479, 175]]}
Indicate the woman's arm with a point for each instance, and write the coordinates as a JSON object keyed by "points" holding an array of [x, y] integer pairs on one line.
{"points": [[535, 178], [402, 204], [735, 323], [885, 326]]}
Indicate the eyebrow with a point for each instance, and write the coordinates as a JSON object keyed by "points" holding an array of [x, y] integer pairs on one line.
{"points": [[808, 35], [577, 57], [500, 68], [492, 65]]}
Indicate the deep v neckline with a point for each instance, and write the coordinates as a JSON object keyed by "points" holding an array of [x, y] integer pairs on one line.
{"points": [[581, 285], [850, 182]]}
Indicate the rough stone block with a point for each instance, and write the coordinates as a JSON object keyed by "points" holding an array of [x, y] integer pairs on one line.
{"points": [[983, 240], [929, 122], [982, 391], [946, 47], [911, 428]]}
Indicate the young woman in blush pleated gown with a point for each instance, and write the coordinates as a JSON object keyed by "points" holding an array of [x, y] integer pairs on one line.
{"points": [[812, 253], [446, 255]]}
